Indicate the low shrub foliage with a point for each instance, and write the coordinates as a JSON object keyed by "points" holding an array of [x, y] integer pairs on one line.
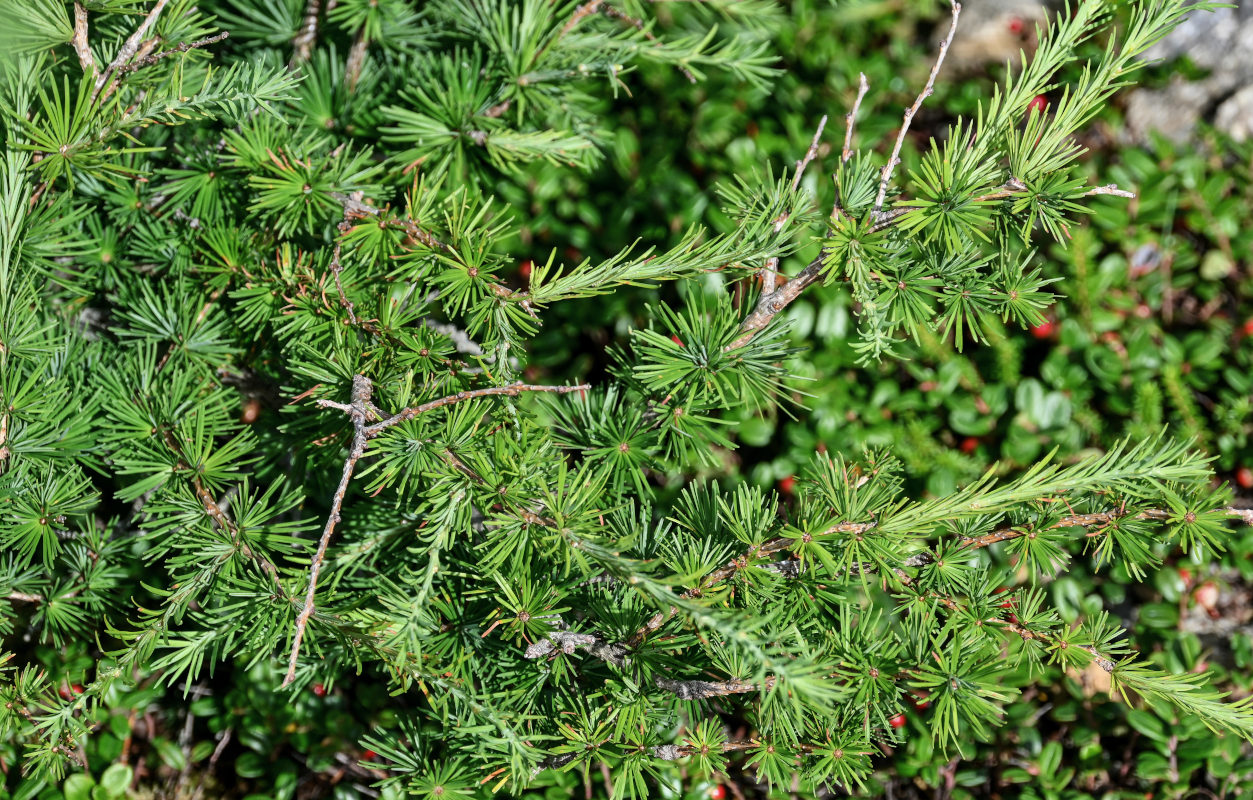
{"points": [[284, 455]]}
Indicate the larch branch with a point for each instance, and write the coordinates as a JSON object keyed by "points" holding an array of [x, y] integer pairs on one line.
{"points": [[81, 47], [361, 411], [768, 305], [359, 414]]}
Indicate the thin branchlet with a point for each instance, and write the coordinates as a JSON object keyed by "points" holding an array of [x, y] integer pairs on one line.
{"points": [[894, 159]]}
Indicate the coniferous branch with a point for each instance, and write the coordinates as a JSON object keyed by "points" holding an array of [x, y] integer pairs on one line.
{"points": [[712, 579], [106, 81], [768, 305], [475, 529], [361, 411]]}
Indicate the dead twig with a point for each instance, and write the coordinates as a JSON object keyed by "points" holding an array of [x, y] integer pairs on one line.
{"points": [[850, 119], [143, 60], [126, 52], [356, 60], [911, 111], [336, 269], [1112, 189], [4, 437]]}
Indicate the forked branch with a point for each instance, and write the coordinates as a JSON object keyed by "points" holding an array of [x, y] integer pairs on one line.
{"points": [[361, 411]]}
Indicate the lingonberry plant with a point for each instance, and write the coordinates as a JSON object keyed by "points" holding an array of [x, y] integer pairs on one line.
{"points": [[268, 400]]}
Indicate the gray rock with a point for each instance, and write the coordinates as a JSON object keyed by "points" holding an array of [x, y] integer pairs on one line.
{"points": [[1220, 41], [992, 32]]}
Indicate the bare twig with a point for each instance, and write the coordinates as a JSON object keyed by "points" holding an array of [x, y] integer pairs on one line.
{"points": [[143, 60], [703, 690], [4, 437], [303, 41], [498, 110], [769, 273], [512, 390], [585, 10], [127, 51], [1110, 188], [911, 111], [1245, 514], [356, 60], [23, 597], [850, 119], [361, 411], [1005, 191], [81, 47], [337, 268], [213, 762], [567, 642]]}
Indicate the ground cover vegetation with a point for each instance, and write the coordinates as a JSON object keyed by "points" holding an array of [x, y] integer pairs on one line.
{"points": [[395, 401]]}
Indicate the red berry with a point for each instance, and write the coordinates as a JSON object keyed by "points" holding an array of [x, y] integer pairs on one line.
{"points": [[1206, 595], [524, 269], [921, 703], [1186, 575], [969, 444], [1244, 477], [718, 792], [1247, 327], [1039, 103], [1013, 619], [369, 755], [898, 721], [788, 485], [1016, 26], [68, 692], [1044, 330], [319, 690]]}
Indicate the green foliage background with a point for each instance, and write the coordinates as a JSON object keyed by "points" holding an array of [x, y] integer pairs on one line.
{"points": [[1129, 353]]}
